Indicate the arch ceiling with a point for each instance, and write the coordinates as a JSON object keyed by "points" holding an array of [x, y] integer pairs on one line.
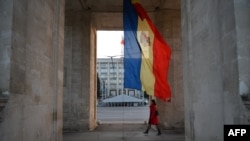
{"points": [[116, 5]]}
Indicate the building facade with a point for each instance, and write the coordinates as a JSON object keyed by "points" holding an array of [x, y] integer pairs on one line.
{"points": [[111, 73]]}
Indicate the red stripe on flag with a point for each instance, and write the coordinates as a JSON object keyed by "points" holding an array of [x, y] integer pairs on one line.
{"points": [[161, 58]]}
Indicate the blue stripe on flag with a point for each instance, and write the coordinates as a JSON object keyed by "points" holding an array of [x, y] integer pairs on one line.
{"points": [[132, 53]]}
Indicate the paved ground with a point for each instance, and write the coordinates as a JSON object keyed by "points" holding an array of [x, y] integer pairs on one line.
{"points": [[124, 132], [123, 124]]}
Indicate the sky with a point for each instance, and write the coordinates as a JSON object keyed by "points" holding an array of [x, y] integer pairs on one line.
{"points": [[109, 44]]}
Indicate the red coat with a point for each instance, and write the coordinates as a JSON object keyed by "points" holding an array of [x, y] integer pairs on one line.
{"points": [[153, 118]]}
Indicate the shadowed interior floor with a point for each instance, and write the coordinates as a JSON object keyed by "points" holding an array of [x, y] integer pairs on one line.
{"points": [[124, 132]]}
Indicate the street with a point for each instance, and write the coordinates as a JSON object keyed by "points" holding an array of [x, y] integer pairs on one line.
{"points": [[122, 114]]}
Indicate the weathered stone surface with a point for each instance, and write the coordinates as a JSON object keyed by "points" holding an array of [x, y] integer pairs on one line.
{"points": [[211, 70], [34, 56]]}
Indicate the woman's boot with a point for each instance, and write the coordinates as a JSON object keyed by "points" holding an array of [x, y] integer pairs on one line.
{"points": [[158, 129], [146, 132]]}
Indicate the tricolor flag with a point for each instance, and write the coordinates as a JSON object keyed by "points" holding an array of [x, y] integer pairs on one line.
{"points": [[146, 54]]}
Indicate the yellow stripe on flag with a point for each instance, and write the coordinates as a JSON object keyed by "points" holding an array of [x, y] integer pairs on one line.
{"points": [[145, 37]]}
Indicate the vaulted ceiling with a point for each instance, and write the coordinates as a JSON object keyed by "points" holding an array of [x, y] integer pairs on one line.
{"points": [[116, 5]]}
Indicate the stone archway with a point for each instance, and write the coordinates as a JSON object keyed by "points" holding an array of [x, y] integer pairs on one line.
{"points": [[214, 39], [197, 38], [80, 27]]}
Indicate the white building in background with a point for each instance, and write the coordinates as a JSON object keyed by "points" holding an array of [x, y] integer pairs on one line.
{"points": [[111, 74]]}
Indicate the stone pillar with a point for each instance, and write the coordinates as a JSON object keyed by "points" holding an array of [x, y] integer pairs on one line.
{"points": [[168, 23], [6, 12], [33, 50], [211, 86], [93, 80], [77, 83], [242, 10]]}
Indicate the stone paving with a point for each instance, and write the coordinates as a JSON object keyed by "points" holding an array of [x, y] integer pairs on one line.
{"points": [[123, 124], [124, 132]]}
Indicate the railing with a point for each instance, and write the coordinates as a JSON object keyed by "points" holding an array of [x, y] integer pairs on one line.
{"points": [[247, 104], [3, 101], [246, 101], [4, 97]]}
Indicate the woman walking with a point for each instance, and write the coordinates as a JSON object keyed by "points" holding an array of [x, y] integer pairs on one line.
{"points": [[153, 117]]}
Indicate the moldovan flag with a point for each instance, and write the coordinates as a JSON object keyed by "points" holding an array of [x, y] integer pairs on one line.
{"points": [[146, 54]]}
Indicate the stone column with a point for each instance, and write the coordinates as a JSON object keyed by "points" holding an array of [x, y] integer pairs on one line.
{"points": [[33, 57], [93, 80], [168, 22], [6, 12], [242, 10], [211, 89], [78, 73]]}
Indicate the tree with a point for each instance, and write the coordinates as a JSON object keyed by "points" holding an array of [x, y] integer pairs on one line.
{"points": [[98, 87]]}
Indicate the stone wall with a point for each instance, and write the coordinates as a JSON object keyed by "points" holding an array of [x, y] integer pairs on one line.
{"points": [[6, 9], [34, 109], [242, 21], [77, 71], [168, 23], [211, 74]]}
